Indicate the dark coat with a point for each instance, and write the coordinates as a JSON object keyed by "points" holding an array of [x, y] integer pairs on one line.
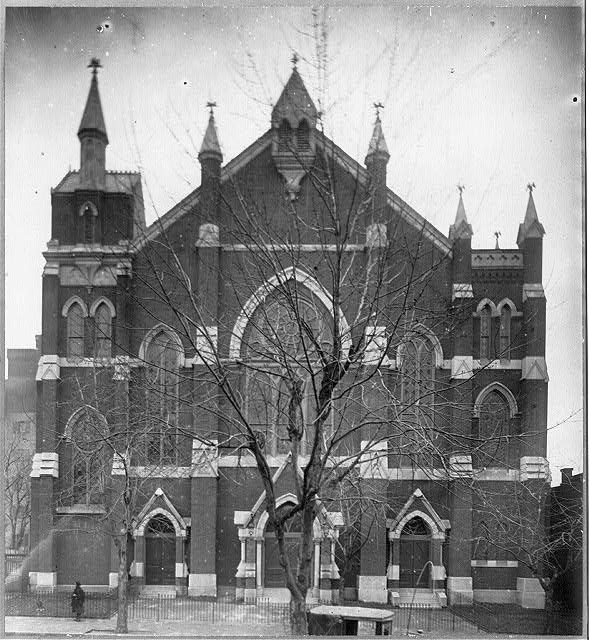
{"points": [[78, 597]]}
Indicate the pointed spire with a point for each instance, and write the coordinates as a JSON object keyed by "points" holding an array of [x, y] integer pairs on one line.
{"points": [[378, 145], [92, 123], [210, 147], [531, 226], [294, 103], [461, 228]]}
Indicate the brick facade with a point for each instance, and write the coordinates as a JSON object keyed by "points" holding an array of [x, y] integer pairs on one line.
{"points": [[101, 253]]}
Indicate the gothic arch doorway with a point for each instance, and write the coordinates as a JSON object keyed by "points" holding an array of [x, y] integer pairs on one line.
{"points": [[415, 553], [160, 551], [273, 571]]}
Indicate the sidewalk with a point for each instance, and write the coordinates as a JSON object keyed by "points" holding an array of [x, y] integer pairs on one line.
{"points": [[23, 626]]}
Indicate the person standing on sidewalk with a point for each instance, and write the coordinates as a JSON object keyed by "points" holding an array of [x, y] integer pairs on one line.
{"points": [[78, 597]]}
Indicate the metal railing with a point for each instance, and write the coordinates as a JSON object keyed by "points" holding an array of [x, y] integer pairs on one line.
{"points": [[57, 604]]}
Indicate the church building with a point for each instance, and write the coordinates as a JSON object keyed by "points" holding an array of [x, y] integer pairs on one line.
{"points": [[460, 362]]}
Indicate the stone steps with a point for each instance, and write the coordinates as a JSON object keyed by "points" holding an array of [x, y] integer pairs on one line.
{"points": [[154, 590]]}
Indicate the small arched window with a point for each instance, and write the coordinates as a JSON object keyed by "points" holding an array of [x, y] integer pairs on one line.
{"points": [[75, 331], [102, 331], [163, 360], [89, 213], [284, 136], [505, 332], [494, 430], [87, 438], [303, 143], [485, 333]]}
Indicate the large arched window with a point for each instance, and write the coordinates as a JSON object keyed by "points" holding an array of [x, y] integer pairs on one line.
{"points": [[282, 340], [162, 357], [494, 430], [417, 397], [87, 440], [102, 331], [75, 331]]}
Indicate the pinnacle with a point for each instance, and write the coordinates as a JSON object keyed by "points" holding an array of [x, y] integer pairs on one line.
{"points": [[92, 119], [378, 143], [210, 145], [531, 226], [294, 103], [461, 228]]}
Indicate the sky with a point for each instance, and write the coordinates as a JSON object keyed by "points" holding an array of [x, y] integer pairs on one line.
{"points": [[490, 98]]}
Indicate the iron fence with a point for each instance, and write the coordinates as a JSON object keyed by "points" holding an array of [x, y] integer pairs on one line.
{"points": [[58, 604], [187, 609]]}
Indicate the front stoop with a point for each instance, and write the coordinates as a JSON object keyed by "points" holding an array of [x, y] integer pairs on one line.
{"points": [[154, 590], [421, 598]]}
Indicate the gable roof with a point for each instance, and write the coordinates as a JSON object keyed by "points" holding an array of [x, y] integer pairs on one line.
{"points": [[404, 210]]}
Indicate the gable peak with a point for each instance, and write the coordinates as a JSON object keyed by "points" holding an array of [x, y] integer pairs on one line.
{"points": [[295, 103]]}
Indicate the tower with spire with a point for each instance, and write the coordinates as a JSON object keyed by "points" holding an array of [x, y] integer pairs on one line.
{"points": [[92, 136]]}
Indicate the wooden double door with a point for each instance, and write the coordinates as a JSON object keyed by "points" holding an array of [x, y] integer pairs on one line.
{"points": [[160, 552], [414, 556]]}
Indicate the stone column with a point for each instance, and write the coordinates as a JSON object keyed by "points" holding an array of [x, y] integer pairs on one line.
{"points": [[138, 565]]}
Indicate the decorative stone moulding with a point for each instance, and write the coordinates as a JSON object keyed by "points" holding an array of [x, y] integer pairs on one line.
{"points": [[376, 235], [376, 345], [462, 290], [460, 466], [206, 346], [532, 291], [45, 464], [205, 460], [122, 371], [208, 235], [374, 460], [462, 367], [48, 368], [534, 368], [534, 468]]}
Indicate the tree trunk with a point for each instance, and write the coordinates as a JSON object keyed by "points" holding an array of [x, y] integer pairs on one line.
{"points": [[122, 626], [298, 615], [548, 606]]}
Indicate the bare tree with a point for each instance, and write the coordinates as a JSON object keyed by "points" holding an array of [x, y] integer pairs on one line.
{"points": [[17, 466]]}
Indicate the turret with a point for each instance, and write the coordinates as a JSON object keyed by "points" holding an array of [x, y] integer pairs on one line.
{"points": [[93, 138], [376, 162], [460, 235], [210, 158], [529, 240]]}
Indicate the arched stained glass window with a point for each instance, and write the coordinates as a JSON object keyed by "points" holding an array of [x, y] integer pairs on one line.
{"points": [[102, 331], [505, 332], [75, 331], [485, 333], [494, 431], [87, 439], [282, 343], [162, 359], [417, 397]]}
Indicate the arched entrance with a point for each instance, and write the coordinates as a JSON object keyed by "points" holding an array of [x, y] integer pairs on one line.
{"points": [[160, 551], [415, 553], [273, 571]]}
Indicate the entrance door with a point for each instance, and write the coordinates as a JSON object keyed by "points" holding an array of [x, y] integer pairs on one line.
{"points": [[414, 555], [160, 551], [273, 571]]}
